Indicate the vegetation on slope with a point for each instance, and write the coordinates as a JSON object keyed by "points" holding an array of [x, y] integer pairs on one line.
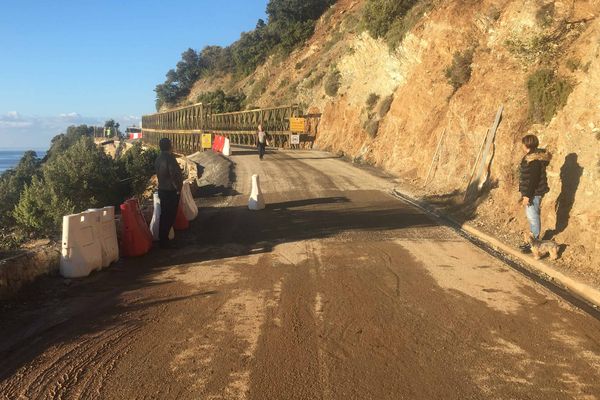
{"points": [[392, 19], [290, 24], [75, 175], [548, 93]]}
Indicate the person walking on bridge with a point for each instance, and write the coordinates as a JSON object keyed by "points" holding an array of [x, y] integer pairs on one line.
{"points": [[262, 141], [170, 182]]}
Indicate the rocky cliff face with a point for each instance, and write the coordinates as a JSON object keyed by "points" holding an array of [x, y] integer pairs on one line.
{"points": [[509, 41]]}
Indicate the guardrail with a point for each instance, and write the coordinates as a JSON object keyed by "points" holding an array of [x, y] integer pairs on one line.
{"points": [[185, 126]]}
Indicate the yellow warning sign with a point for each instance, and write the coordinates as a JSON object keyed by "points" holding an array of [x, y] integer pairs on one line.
{"points": [[298, 124], [206, 140]]}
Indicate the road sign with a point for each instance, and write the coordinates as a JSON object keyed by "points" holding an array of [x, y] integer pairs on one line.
{"points": [[206, 140], [298, 125], [294, 139]]}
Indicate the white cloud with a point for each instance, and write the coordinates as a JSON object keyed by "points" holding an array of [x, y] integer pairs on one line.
{"points": [[71, 115], [15, 124], [24, 131]]}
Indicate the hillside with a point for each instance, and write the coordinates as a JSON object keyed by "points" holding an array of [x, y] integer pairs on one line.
{"points": [[389, 108]]}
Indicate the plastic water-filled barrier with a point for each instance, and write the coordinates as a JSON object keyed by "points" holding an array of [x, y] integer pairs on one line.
{"points": [[81, 251], [256, 201], [136, 238], [105, 218]]}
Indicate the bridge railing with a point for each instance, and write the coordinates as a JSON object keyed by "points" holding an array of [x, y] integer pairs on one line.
{"points": [[185, 126]]}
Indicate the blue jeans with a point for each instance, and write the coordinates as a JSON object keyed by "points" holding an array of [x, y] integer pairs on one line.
{"points": [[533, 211]]}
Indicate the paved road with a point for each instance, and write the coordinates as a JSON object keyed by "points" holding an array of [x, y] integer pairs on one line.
{"points": [[336, 291]]}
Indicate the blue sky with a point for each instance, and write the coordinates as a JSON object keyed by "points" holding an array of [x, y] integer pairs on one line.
{"points": [[67, 62]]}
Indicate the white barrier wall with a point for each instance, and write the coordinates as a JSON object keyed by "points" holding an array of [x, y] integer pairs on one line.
{"points": [[105, 217], [81, 245], [190, 209]]}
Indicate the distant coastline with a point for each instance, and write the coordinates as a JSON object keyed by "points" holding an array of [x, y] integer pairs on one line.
{"points": [[10, 157]]}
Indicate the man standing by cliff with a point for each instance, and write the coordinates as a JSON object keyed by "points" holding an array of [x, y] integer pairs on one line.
{"points": [[170, 181]]}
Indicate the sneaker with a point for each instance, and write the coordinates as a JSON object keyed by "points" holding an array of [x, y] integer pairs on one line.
{"points": [[525, 248]]}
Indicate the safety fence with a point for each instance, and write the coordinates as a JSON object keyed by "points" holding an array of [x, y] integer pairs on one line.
{"points": [[186, 127]]}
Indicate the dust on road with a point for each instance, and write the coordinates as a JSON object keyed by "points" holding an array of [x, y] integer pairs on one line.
{"points": [[336, 291]]}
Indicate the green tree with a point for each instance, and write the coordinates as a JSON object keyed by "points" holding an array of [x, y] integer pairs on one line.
{"points": [[80, 177], [114, 128], [12, 183], [380, 15], [63, 141], [134, 170], [296, 10]]}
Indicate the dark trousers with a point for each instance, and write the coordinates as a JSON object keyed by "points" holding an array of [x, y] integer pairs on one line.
{"points": [[261, 150], [169, 201]]}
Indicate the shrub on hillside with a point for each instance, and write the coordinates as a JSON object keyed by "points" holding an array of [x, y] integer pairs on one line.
{"points": [[380, 15], [548, 93], [80, 177], [459, 72], [221, 102], [134, 169], [332, 83], [401, 26]]}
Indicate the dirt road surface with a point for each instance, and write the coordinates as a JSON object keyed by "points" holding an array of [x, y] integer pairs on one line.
{"points": [[336, 291]]}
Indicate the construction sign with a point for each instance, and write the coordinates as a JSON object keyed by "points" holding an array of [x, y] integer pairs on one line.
{"points": [[207, 140], [298, 125]]}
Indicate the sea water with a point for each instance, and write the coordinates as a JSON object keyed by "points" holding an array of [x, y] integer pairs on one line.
{"points": [[10, 158]]}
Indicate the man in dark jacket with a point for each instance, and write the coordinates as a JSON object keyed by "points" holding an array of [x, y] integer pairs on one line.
{"points": [[170, 182], [533, 183]]}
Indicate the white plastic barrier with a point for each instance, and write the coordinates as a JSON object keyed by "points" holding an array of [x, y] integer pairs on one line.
{"points": [[155, 222], [108, 234], [155, 217], [227, 148], [190, 209], [256, 201], [81, 248]]}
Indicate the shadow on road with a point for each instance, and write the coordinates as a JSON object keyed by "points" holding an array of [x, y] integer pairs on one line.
{"points": [[58, 313]]}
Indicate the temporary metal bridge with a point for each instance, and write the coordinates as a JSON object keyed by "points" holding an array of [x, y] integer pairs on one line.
{"points": [[185, 126]]}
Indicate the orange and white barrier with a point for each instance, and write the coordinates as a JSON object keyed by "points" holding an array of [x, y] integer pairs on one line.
{"points": [[256, 201], [136, 238], [227, 148], [105, 218], [81, 251]]}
